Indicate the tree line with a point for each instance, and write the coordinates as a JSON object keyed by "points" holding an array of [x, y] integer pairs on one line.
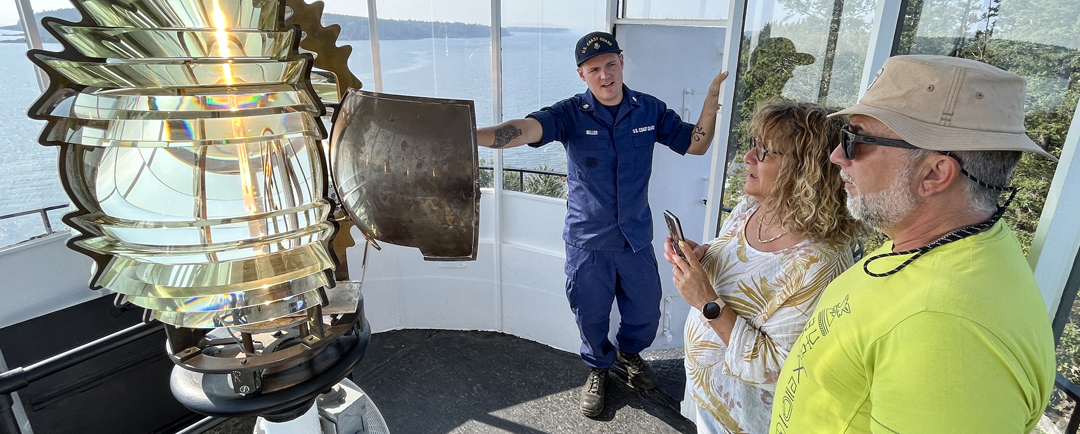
{"points": [[353, 28]]}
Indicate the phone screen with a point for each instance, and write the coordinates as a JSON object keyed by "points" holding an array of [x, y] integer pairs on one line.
{"points": [[675, 229]]}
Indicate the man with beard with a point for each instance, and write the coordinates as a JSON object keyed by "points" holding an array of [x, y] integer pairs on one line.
{"points": [[942, 329]]}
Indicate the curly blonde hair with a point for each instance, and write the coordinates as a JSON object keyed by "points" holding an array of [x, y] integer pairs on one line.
{"points": [[808, 197]]}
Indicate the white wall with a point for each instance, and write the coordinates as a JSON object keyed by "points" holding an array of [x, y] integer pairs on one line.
{"points": [[41, 276], [678, 58], [403, 291]]}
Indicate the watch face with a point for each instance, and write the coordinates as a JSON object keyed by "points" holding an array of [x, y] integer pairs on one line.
{"points": [[711, 310]]}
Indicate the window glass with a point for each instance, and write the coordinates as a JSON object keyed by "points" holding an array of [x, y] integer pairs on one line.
{"points": [[1057, 414], [1061, 405], [538, 71], [674, 9], [1038, 40], [804, 50], [30, 176], [1027, 38], [438, 49], [352, 16]]}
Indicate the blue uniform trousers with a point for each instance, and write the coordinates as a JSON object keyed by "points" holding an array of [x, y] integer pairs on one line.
{"points": [[594, 278]]}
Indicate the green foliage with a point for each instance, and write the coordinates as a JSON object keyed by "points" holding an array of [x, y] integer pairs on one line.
{"points": [[1025, 41], [543, 184], [836, 33], [546, 185], [821, 11], [1053, 74]]}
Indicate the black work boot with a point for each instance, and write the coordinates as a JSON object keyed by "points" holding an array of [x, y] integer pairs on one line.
{"points": [[637, 370], [592, 395]]}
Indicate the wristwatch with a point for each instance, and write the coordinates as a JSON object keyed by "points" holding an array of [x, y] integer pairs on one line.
{"points": [[711, 310]]}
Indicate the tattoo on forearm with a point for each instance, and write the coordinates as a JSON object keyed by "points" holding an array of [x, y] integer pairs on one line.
{"points": [[505, 135], [699, 133]]}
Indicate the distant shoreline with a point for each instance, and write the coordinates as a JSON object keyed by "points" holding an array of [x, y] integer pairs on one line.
{"points": [[353, 28]]}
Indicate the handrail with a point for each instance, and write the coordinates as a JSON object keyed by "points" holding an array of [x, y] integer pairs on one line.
{"points": [[1072, 391], [19, 378], [44, 212], [521, 174], [531, 171]]}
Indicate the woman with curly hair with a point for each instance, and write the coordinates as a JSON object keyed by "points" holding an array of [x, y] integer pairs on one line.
{"points": [[753, 288]]}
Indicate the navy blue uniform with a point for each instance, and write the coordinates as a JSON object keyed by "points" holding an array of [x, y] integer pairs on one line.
{"points": [[608, 229]]}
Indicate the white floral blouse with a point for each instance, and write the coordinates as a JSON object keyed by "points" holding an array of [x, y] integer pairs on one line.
{"points": [[774, 294]]}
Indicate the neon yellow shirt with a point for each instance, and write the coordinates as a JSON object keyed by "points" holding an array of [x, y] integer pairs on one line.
{"points": [[958, 341]]}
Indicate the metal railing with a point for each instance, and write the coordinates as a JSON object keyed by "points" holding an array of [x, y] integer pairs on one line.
{"points": [[43, 212], [520, 174], [1073, 393], [19, 378]]}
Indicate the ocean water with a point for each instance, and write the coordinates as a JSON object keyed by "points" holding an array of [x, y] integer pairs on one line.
{"points": [[538, 70]]}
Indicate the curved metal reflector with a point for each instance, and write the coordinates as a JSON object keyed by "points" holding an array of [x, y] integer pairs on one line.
{"points": [[405, 169]]}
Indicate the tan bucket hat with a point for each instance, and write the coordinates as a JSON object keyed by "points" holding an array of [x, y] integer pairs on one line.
{"points": [[949, 104]]}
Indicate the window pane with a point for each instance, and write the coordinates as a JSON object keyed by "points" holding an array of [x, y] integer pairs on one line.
{"points": [[30, 178], [1057, 414], [438, 49], [539, 70], [674, 9], [1035, 39], [352, 17], [1038, 40], [810, 51]]}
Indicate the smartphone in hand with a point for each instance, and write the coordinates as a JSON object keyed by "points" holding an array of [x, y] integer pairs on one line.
{"points": [[675, 229]]}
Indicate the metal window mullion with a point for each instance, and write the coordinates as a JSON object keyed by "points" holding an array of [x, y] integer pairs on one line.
{"points": [[33, 37], [733, 37], [673, 22], [1054, 249], [376, 51], [888, 17], [1053, 254], [611, 15], [497, 164]]}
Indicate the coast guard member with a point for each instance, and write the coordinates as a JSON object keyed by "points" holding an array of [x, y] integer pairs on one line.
{"points": [[609, 133]]}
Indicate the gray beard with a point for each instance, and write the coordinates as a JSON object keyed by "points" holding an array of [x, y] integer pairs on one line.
{"points": [[884, 209]]}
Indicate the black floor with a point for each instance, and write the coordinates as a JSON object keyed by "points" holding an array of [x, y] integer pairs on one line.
{"points": [[440, 381], [443, 381]]}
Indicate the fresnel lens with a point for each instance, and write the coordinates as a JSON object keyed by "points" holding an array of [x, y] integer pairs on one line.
{"points": [[192, 145]]}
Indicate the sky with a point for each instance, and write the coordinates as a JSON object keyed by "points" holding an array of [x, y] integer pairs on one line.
{"points": [[549, 13]]}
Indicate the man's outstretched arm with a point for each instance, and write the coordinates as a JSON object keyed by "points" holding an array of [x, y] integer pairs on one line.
{"points": [[510, 134], [706, 124]]}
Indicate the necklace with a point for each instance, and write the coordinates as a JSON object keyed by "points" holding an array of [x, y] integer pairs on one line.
{"points": [[759, 225]]}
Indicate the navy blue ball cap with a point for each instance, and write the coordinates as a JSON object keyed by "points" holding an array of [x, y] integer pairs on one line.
{"points": [[595, 44]]}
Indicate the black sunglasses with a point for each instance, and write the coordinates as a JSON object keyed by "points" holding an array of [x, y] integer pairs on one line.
{"points": [[760, 151], [849, 139]]}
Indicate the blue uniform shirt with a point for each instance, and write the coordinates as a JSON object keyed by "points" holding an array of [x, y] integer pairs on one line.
{"points": [[608, 164]]}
